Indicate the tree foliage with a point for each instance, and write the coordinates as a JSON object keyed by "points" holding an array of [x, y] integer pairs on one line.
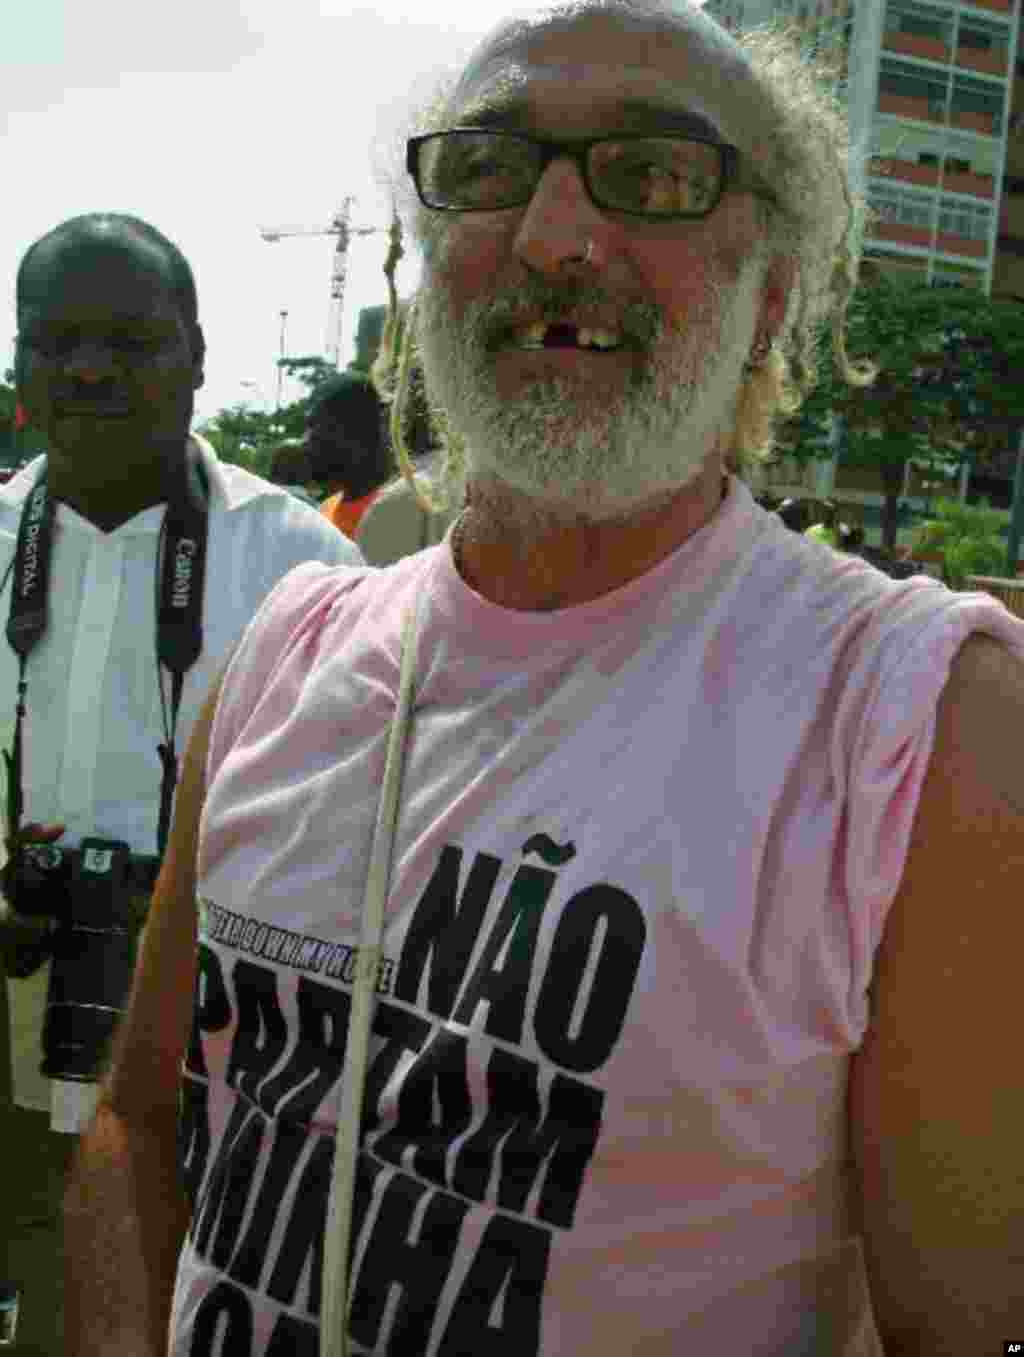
{"points": [[968, 536], [311, 371], [945, 393], [248, 437]]}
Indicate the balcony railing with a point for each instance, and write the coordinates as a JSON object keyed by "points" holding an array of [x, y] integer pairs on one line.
{"points": [[982, 59], [903, 235], [910, 106], [949, 244], [915, 45], [972, 121], [921, 236], [978, 185], [910, 172]]}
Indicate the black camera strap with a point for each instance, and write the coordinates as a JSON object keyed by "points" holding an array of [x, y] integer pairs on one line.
{"points": [[181, 578], [179, 617], [27, 622]]}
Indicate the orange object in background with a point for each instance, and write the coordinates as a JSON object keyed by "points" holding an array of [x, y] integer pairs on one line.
{"points": [[345, 514]]}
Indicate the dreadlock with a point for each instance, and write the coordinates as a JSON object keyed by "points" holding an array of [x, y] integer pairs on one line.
{"points": [[392, 375]]}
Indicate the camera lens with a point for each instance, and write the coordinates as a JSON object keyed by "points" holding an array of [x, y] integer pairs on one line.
{"points": [[89, 979]]}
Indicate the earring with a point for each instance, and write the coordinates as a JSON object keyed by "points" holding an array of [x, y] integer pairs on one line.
{"points": [[585, 258]]}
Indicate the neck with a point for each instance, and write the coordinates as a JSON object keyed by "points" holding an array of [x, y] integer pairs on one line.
{"points": [[109, 502], [519, 555]]}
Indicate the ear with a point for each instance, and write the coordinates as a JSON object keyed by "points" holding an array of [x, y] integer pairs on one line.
{"points": [[780, 280], [19, 366], [198, 358]]}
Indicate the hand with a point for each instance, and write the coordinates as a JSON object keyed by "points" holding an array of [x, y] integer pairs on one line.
{"points": [[24, 938], [32, 833]]}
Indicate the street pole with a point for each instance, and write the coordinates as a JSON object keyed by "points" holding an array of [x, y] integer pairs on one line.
{"points": [[280, 366], [1016, 513]]}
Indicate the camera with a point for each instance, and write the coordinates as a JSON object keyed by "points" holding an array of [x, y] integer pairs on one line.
{"points": [[91, 893], [36, 880]]}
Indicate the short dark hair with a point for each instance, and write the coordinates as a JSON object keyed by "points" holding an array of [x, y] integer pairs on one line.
{"points": [[118, 226], [348, 394], [364, 460]]}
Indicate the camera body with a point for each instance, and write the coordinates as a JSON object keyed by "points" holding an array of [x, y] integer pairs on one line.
{"points": [[91, 893], [37, 880]]}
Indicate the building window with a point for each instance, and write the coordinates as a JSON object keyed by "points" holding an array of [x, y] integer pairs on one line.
{"points": [[964, 219], [920, 21], [913, 82], [896, 207], [978, 96], [980, 33]]}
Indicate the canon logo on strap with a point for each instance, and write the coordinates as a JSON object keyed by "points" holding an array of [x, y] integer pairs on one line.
{"points": [[184, 557]]}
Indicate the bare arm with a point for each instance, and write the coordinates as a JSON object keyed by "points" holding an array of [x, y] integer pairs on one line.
{"points": [[937, 1090], [125, 1209]]}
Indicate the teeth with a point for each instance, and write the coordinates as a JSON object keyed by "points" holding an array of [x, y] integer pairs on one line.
{"points": [[533, 336]]}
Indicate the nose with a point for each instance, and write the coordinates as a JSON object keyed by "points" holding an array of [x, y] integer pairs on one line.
{"points": [[560, 221]]}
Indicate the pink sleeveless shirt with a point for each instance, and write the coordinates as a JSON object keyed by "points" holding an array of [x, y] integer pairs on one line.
{"points": [[644, 855]]}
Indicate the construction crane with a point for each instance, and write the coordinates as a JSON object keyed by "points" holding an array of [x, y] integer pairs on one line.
{"points": [[341, 227]]}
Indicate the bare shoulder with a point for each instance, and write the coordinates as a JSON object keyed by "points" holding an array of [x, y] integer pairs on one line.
{"points": [[980, 726], [936, 1094]]}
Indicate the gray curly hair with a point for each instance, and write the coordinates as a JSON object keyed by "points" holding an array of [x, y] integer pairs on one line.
{"points": [[791, 130]]}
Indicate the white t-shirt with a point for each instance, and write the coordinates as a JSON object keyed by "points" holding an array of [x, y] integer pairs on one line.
{"points": [[93, 718], [644, 855]]}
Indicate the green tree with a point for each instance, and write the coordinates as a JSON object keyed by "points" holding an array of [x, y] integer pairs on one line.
{"points": [[944, 393], [967, 535], [311, 371], [248, 437]]}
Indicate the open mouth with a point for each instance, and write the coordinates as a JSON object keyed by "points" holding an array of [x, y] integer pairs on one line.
{"points": [[93, 412], [563, 335]]}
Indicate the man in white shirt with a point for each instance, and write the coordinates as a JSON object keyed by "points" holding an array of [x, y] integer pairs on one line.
{"points": [[109, 356]]}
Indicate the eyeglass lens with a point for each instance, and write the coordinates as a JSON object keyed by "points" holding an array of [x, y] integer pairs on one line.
{"points": [[651, 176]]}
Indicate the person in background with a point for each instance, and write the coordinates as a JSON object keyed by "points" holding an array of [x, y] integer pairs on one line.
{"points": [[795, 513], [827, 528], [689, 1018], [348, 450], [400, 521], [123, 545], [851, 536]]}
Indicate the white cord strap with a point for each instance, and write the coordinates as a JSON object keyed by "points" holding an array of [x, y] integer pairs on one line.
{"points": [[334, 1298]]}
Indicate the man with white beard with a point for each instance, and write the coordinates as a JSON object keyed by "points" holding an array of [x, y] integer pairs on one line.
{"points": [[604, 916]]}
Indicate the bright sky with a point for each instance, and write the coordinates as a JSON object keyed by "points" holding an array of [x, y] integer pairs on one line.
{"points": [[211, 119]]}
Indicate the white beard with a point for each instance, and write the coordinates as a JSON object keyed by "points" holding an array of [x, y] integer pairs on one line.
{"points": [[575, 446]]}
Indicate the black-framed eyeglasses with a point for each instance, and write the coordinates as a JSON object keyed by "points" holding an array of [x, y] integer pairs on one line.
{"points": [[667, 177]]}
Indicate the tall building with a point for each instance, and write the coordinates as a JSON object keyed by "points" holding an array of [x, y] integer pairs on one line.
{"points": [[929, 87], [1008, 275]]}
